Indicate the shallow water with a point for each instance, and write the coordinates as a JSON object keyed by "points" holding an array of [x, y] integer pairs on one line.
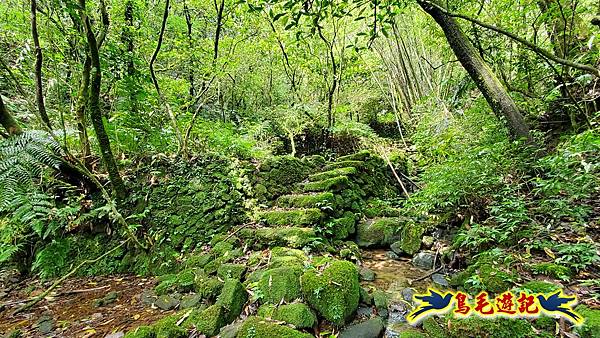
{"points": [[393, 274]]}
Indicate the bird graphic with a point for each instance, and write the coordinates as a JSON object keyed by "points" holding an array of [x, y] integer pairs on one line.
{"points": [[554, 304], [434, 302]]}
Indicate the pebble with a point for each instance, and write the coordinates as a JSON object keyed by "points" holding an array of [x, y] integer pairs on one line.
{"points": [[439, 279], [424, 260]]}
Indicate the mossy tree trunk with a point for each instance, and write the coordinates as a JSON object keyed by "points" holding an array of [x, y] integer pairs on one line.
{"points": [[39, 93], [94, 108], [483, 76], [82, 101], [8, 121]]}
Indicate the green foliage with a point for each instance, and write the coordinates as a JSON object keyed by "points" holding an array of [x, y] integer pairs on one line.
{"points": [[577, 256]]}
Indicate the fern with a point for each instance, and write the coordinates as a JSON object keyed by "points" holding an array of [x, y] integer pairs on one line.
{"points": [[24, 161]]}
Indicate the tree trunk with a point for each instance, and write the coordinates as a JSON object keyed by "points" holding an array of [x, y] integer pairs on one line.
{"points": [[219, 8], [39, 58], [483, 76], [96, 113], [82, 101], [8, 121], [132, 84]]}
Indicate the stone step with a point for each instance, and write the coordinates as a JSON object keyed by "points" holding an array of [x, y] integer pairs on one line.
{"points": [[343, 164], [360, 156], [291, 237], [331, 184], [283, 217], [308, 200], [346, 171]]}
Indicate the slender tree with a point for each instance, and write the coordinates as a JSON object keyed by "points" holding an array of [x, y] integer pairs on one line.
{"points": [[8, 121], [483, 76], [39, 60], [94, 107]]}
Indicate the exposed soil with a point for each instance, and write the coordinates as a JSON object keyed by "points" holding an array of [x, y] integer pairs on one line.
{"points": [[76, 314]]}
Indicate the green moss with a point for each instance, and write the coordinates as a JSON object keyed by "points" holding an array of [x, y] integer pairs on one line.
{"points": [[411, 237], [360, 156], [255, 327], [297, 314], [198, 261], [266, 310], [490, 275], [536, 286], [378, 208], [167, 328], [213, 266], [377, 232], [343, 227], [230, 270], [493, 279], [497, 328], [280, 283], [433, 328], [380, 299], [552, 270], [208, 287], [232, 298], [343, 164], [365, 297], [334, 293], [331, 184], [291, 217], [545, 323], [348, 171], [208, 321], [222, 248], [283, 236], [312, 200], [141, 332], [591, 327], [181, 282], [286, 252]]}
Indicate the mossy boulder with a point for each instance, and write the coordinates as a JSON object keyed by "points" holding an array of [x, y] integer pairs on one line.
{"points": [[334, 293], [552, 270], [208, 287], [492, 276], [309, 200], [293, 237], [291, 217], [256, 327], [347, 171], [168, 328], [141, 332], [280, 283], [181, 282], [537, 286], [232, 298], [208, 321], [330, 184], [377, 232], [344, 226], [297, 314], [411, 237], [591, 326], [230, 270], [359, 156], [344, 164], [198, 261]]}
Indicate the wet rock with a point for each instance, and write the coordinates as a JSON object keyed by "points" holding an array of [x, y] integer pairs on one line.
{"points": [[148, 297], [427, 242], [408, 293], [439, 280], [392, 255], [380, 299], [230, 331], [365, 296], [189, 301], [366, 274], [110, 298], [166, 303], [396, 247], [424, 260], [45, 324], [397, 312], [364, 311], [372, 328]]}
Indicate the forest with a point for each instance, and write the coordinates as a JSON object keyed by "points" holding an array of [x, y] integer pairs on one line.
{"points": [[296, 169]]}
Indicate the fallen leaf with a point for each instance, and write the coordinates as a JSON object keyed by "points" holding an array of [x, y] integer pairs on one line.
{"points": [[549, 253]]}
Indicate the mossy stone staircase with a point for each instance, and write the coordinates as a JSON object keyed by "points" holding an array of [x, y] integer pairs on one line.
{"points": [[327, 203]]}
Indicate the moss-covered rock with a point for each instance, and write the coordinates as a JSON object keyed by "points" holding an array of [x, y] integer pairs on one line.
{"points": [[537, 286], [410, 238], [293, 237], [591, 326], [334, 293], [181, 282], [168, 328], [491, 275], [377, 208], [197, 261], [208, 287], [309, 200], [208, 321], [377, 232], [291, 217], [232, 298], [277, 174], [380, 299], [256, 327], [280, 283], [297, 314], [433, 328], [344, 226], [141, 332], [330, 184], [230, 270], [348, 171], [343, 164], [359, 156]]}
